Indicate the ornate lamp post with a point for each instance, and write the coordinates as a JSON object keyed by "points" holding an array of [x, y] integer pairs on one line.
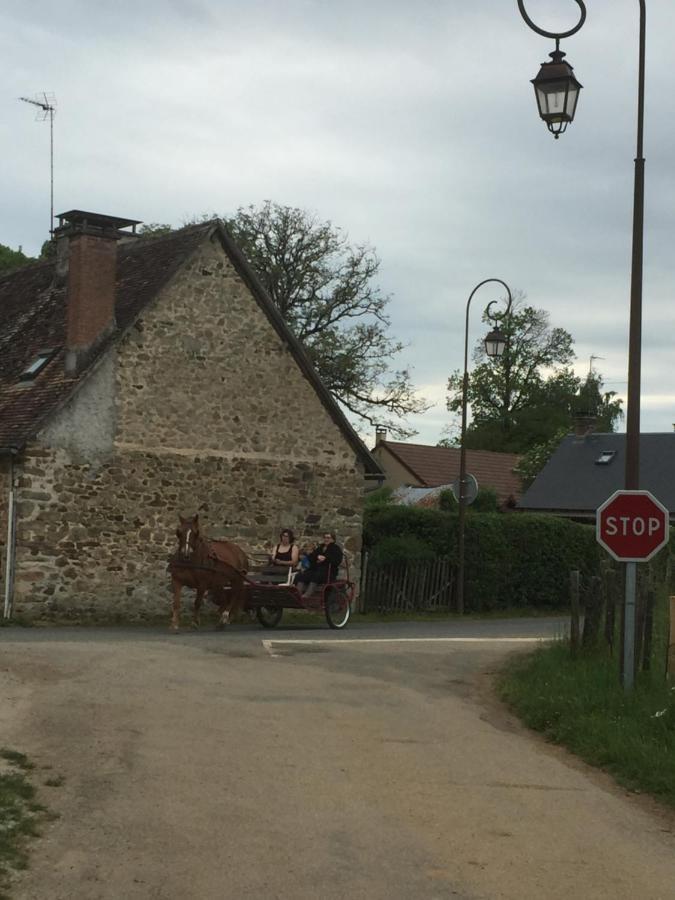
{"points": [[564, 109], [495, 344]]}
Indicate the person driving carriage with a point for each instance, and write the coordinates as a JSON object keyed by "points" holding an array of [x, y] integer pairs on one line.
{"points": [[324, 563]]}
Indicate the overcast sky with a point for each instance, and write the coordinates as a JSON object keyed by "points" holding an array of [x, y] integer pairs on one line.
{"points": [[411, 126]]}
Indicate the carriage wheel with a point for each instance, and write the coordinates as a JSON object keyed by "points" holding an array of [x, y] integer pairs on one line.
{"points": [[269, 616], [336, 604]]}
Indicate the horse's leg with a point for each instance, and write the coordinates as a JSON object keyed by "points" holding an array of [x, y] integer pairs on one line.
{"points": [[175, 618], [199, 596], [237, 600], [224, 609]]}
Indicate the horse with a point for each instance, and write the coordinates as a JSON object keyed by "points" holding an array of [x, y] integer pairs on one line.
{"points": [[207, 566]]}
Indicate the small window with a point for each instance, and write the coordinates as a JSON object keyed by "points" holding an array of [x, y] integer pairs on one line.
{"points": [[605, 457], [36, 366]]}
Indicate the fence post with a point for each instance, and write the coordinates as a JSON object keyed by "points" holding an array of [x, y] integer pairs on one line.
{"points": [[609, 581], [364, 582], [593, 613], [574, 608], [648, 630], [671, 642]]}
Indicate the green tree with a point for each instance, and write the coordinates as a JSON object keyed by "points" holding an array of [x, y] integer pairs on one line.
{"points": [[325, 289], [602, 410], [523, 397], [12, 259]]}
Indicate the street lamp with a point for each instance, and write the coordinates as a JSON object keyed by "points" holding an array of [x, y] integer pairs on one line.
{"points": [[632, 471], [495, 344]]}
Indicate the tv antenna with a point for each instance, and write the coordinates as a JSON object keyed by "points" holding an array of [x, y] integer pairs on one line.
{"points": [[46, 107], [590, 363]]}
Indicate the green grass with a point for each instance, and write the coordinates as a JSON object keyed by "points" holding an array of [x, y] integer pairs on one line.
{"points": [[580, 704], [20, 815]]}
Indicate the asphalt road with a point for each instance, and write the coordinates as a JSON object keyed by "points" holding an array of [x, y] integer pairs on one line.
{"points": [[304, 763]]}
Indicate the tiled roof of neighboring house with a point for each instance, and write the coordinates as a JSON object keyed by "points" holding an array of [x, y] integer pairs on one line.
{"points": [[434, 466], [584, 471], [32, 321]]}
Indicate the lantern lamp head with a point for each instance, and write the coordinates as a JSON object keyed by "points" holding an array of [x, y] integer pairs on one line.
{"points": [[495, 343], [557, 93]]}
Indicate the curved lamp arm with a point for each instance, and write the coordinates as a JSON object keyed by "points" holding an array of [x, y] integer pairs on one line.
{"points": [[468, 304], [554, 34]]}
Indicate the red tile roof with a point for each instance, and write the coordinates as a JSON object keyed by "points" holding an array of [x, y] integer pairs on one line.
{"points": [[433, 466]]}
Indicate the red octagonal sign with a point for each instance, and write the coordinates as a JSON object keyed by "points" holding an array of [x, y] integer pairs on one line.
{"points": [[632, 525]]}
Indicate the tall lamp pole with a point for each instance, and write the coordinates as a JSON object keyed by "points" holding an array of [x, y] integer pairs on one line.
{"points": [[557, 92], [495, 344]]}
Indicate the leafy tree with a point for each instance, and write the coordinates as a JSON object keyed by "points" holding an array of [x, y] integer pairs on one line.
{"points": [[155, 228], [12, 259], [602, 410], [324, 288], [523, 397]]}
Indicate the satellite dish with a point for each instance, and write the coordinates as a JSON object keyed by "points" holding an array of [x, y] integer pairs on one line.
{"points": [[470, 489]]}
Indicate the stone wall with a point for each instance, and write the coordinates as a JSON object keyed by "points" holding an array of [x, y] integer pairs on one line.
{"points": [[93, 541], [211, 415]]}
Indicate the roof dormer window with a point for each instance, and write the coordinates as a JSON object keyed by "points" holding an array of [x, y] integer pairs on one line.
{"points": [[605, 457], [36, 366]]}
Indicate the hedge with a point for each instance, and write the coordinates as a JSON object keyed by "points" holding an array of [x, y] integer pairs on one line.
{"points": [[511, 560]]}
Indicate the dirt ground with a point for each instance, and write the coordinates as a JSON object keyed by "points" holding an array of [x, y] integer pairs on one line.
{"points": [[217, 766]]}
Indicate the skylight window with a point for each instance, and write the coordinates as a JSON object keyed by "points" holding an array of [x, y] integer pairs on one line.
{"points": [[36, 366], [605, 457]]}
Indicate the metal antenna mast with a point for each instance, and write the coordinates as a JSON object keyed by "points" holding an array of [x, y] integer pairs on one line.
{"points": [[590, 363], [46, 104]]}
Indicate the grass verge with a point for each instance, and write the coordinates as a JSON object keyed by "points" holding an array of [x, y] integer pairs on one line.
{"points": [[580, 704], [20, 814]]}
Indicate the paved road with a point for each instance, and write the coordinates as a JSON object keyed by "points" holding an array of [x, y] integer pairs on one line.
{"points": [[308, 764]]}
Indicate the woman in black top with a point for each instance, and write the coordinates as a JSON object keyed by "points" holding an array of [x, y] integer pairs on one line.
{"points": [[286, 552]]}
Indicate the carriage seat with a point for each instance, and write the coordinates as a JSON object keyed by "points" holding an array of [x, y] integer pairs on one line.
{"points": [[259, 570]]}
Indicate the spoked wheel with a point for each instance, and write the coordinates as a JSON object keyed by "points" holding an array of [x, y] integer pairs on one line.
{"points": [[269, 616], [337, 607]]}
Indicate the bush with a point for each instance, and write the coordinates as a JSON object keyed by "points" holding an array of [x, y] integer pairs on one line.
{"points": [[511, 560], [400, 550], [382, 496], [486, 501]]}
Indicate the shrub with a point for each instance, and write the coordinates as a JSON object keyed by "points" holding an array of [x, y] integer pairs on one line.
{"points": [[401, 549], [511, 560], [382, 496], [486, 501]]}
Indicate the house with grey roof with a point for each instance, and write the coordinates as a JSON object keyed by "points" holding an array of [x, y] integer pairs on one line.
{"points": [[140, 378], [586, 469]]}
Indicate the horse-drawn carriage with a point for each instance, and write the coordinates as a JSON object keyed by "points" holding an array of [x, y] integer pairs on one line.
{"points": [[269, 594], [221, 571]]}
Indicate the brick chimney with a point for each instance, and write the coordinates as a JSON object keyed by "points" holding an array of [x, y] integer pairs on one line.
{"points": [[380, 434], [86, 260], [584, 425]]}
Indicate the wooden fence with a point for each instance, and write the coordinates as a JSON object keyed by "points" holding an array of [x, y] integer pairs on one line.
{"points": [[407, 587]]}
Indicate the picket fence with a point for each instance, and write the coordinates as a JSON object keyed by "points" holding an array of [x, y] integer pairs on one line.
{"points": [[407, 587]]}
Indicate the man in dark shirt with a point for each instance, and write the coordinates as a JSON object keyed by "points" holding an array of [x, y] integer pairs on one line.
{"points": [[324, 563]]}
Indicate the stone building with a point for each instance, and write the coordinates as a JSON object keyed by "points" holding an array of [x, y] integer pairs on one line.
{"points": [[142, 377]]}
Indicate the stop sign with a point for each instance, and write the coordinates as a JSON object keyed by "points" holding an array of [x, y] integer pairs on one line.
{"points": [[632, 525]]}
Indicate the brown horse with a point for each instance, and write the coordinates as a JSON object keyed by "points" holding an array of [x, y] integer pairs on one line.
{"points": [[216, 567]]}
